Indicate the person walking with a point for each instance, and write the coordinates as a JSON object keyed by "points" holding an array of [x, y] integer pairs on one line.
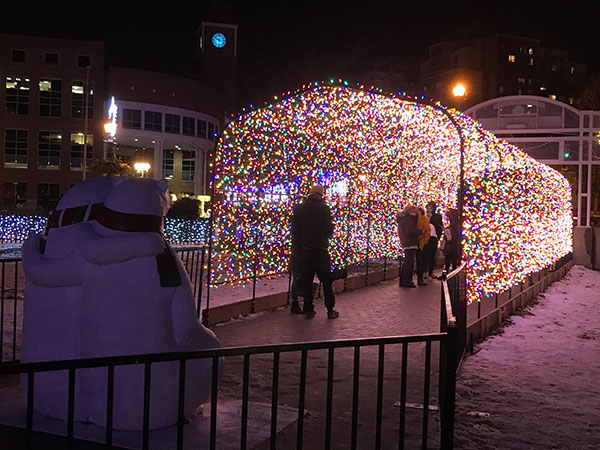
{"points": [[409, 240], [312, 227], [436, 229], [423, 226]]}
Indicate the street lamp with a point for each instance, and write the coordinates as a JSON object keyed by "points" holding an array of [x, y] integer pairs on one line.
{"points": [[141, 167], [459, 90]]}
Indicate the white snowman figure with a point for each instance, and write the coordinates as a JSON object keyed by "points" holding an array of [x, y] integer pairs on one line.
{"points": [[135, 297], [53, 283]]}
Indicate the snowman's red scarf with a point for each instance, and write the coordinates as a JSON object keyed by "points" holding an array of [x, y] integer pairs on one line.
{"points": [[127, 222]]}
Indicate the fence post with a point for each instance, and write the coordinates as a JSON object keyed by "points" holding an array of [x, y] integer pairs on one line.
{"points": [[199, 305], [449, 358]]}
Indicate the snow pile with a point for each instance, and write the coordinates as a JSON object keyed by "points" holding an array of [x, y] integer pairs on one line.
{"points": [[535, 384]]}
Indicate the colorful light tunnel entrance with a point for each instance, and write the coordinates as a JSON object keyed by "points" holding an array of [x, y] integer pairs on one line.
{"points": [[376, 153]]}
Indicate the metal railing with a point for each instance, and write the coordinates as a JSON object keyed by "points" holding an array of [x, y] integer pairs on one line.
{"points": [[392, 354], [453, 321]]}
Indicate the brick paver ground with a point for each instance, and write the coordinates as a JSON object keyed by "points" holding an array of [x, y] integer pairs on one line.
{"points": [[384, 309]]}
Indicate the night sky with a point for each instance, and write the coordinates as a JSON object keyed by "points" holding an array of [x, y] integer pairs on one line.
{"points": [[283, 44]]}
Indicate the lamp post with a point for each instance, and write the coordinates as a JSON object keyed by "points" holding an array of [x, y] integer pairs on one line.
{"points": [[85, 123]]}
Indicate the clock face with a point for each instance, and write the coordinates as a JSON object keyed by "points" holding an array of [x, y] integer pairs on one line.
{"points": [[219, 40]]}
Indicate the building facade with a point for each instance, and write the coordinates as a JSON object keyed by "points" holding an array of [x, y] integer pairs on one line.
{"points": [[55, 105], [159, 123], [43, 117], [556, 134], [495, 66]]}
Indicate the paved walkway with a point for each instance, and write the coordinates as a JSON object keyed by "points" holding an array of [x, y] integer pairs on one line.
{"points": [[384, 309]]}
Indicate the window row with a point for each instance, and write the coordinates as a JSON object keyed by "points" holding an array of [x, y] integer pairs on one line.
{"points": [[173, 123], [48, 151], [51, 93], [188, 164], [52, 58]]}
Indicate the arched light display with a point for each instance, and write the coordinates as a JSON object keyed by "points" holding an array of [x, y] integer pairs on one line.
{"points": [[376, 153]]}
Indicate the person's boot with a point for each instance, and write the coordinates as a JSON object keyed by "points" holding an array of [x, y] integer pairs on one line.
{"points": [[295, 309], [331, 314], [421, 282]]}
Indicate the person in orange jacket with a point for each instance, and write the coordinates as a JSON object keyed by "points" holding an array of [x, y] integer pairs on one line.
{"points": [[422, 224]]}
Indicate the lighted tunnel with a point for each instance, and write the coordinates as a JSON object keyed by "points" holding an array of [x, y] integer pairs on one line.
{"points": [[376, 153]]}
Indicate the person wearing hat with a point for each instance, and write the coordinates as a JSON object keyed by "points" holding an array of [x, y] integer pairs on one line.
{"points": [[312, 227], [409, 240]]}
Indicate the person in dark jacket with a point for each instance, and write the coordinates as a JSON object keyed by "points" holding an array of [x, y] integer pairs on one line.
{"points": [[452, 238], [430, 249], [409, 240], [312, 227], [295, 271]]}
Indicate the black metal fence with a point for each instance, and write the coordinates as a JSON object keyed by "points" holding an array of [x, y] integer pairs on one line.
{"points": [[453, 322], [400, 366]]}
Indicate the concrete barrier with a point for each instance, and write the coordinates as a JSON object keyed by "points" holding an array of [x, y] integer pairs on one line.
{"points": [[586, 247], [508, 302]]}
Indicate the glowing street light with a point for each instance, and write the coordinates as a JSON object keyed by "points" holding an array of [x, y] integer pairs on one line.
{"points": [[141, 167], [459, 90]]}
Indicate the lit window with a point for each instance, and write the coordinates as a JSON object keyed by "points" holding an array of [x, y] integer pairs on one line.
{"points": [[77, 142], [78, 101], [49, 150], [188, 165], [168, 164], [530, 50], [50, 98], [531, 61], [554, 68], [521, 80], [571, 100], [17, 95], [512, 58], [572, 70], [15, 148], [77, 88], [552, 97], [542, 88]]}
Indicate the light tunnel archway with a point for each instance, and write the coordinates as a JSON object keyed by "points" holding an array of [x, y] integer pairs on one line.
{"points": [[377, 153]]}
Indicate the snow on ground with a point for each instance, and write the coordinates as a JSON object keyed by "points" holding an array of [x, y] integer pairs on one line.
{"points": [[9, 251], [536, 384]]}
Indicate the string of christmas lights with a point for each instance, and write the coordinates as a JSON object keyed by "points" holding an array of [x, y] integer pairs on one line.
{"points": [[16, 228], [376, 153]]}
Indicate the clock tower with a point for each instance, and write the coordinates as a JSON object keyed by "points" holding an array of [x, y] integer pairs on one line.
{"points": [[217, 51]]}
